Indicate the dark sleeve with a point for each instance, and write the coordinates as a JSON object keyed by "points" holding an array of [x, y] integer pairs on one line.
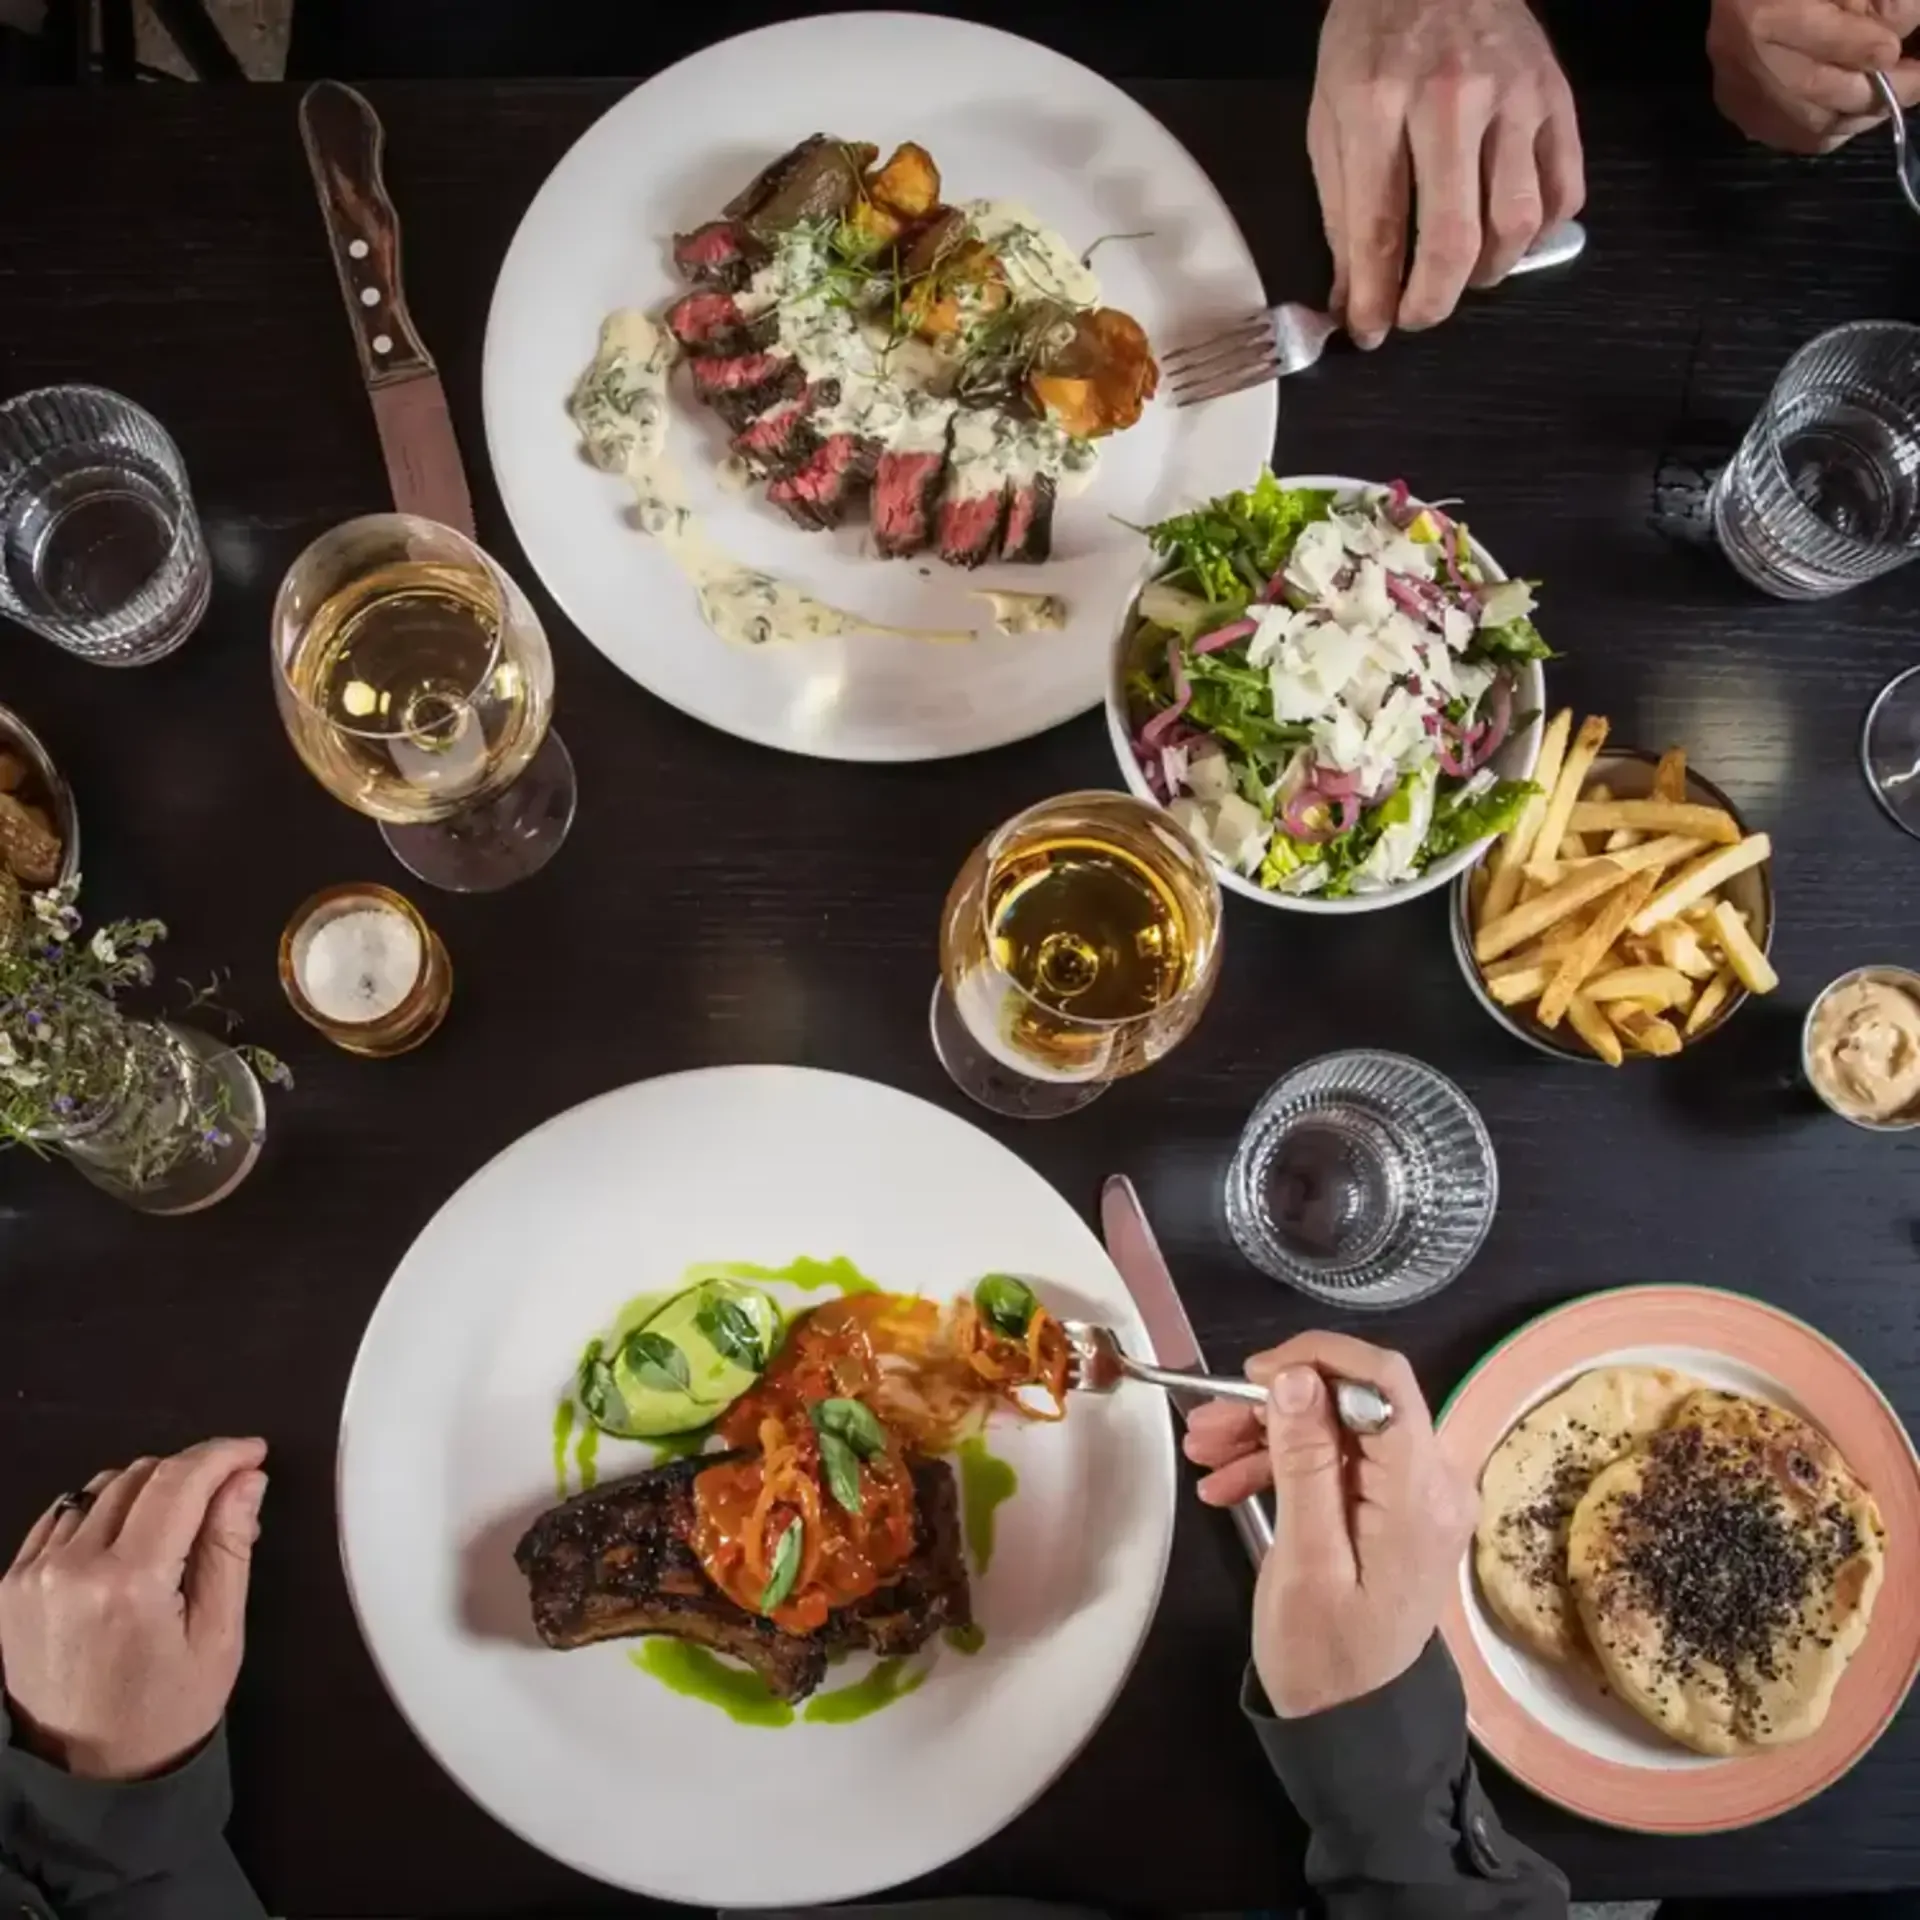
{"points": [[1402, 1829], [135, 1850]]}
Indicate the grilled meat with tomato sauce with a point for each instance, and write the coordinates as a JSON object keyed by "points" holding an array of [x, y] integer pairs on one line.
{"points": [[619, 1561]]}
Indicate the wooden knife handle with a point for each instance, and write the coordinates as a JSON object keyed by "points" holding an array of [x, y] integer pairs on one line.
{"points": [[344, 138]]}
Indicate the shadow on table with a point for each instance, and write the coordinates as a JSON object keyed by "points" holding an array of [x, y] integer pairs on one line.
{"points": [[1746, 1079]]}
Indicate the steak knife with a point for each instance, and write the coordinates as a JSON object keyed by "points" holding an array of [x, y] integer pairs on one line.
{"points": [[344, 140], [1133, 1249]]}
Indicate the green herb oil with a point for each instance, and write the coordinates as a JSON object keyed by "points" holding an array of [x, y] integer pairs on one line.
{"points": [[562, 1433], [968, 1639], [985, 1481], [808, 1275], [889, 1681], [586, 1457], [738, 1692]]}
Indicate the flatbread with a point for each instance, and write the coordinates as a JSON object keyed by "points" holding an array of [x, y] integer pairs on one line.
{"points": [[1726, 1572], [1534, 1480]]}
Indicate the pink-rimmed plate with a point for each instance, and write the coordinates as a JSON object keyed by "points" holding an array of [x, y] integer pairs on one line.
{"points": [[1556, 1731]]}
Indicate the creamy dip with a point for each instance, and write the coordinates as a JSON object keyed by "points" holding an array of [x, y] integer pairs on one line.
{"points": [[1863, 1047], [620, 407]]}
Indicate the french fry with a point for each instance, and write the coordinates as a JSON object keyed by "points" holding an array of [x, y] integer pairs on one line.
{"points": [[1515, 989], [1577, 846], [1713, 824], [1566, 790], [1713, 996], [1648, 1033], [1667, 851], [1678, 946], [1692, 883], [1510, 855], [1533, 917], [1670, 776], [1621, 837], [1750, 966], [1640, 983], [1593, 945], [1573, 847], [13, 773], [1532, 889], [1594, 1028], [1477, 892]]}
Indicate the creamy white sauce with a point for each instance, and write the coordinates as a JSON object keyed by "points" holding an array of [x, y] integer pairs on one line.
{"points": [[1025, 612], [896, 392], [620, 407]]}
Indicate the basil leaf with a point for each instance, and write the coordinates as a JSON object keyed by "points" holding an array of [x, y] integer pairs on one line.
{"points": [[1005, 1304], [786, 1566], [730, 1327], [656, 1362], [853, 1424], [842, 1466], [599, 1398]]}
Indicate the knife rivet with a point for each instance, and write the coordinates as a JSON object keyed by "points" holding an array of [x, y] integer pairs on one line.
{"points": [[369, 296], [356, 249], [382, 343]]}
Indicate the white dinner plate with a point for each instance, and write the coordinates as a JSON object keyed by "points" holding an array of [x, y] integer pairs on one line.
{"points": [[1004, 119], [447, 1454]]}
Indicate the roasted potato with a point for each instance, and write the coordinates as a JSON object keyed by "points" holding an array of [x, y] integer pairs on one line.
{"points": [[871, 227], [909, 184], [968, 282], [1101, 379]]}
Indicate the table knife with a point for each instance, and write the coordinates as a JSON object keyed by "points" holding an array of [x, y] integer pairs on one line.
{"points": [[1133, 1249], [344, 140]]}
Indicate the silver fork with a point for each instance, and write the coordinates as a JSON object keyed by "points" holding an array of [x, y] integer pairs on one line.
{"points": [[1291, 337], [1100, 1363], [1897, 120]]}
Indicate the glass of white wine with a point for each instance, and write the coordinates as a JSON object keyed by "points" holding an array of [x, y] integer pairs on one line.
{"points": [[1080, 942], [415, 681]]}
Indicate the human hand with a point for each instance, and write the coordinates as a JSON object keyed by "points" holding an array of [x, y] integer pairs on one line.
{"points": [[1795, 73], [1368, 1532], [122, 1622], [1460, 104]]}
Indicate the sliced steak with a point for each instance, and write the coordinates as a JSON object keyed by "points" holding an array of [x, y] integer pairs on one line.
{"points": [[709, 321], [819, 492], [969, 525], [817, 180], [905, 490], [783, 437], [738, 386], [616, 1562], [1028, 534], [721, 254]]}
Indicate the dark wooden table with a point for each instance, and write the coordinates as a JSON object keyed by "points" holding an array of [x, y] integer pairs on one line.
{"points": [[721, 903]]}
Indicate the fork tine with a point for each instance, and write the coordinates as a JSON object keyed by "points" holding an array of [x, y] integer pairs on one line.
{"points": [[1249, 374], [1242, 333]]}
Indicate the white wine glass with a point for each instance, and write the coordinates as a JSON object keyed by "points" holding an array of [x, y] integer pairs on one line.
{"points": [[1081, 942], [416, 684]]}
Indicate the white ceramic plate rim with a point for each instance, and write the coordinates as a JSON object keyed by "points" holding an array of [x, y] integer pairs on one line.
{"points": [[1514, 761], [1096, 1658], [593, 240]]}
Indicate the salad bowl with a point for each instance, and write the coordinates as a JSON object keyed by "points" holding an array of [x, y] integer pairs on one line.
{"points": [[1407, 813]]}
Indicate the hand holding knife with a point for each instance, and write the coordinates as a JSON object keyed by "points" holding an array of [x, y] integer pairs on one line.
{"points": [[1134, 1250]]}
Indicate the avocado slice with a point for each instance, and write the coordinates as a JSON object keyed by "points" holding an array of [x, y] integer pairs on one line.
{"points": [[685, 1364]]}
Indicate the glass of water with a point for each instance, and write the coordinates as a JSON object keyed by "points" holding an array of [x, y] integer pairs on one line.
{"points": [[1825, 490], [1365, 1179], [100, 548]]}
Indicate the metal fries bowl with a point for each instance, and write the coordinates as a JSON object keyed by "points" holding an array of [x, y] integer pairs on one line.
{"points": [[50, 789], [1628, 771], [1514, 761]]}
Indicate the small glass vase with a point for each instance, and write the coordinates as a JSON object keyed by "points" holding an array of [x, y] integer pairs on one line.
{"points": [[183, 1132]]}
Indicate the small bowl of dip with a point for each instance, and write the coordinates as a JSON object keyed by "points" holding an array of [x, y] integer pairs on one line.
{"points": [[1860, 1048]]}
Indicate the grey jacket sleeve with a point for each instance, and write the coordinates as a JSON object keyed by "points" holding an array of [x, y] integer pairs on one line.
{"points": [[1401, 1827], [136, 1850]]}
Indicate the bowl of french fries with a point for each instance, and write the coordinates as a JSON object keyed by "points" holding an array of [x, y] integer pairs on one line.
{"points": [[1628, 912], [39, 830]]}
